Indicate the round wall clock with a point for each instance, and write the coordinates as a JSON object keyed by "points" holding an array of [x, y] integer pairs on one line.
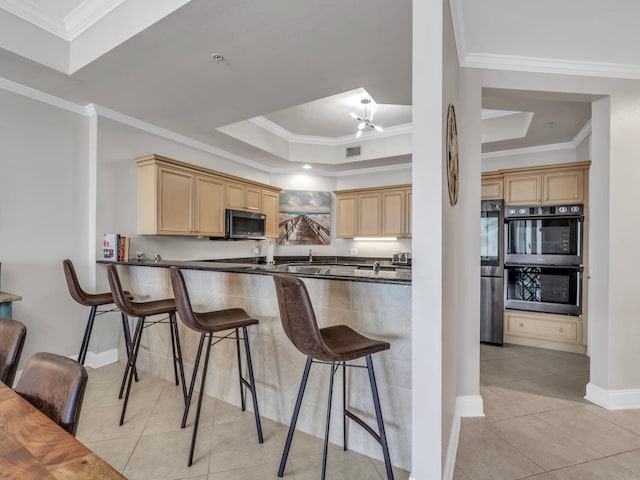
{"points": [[452, 156]]}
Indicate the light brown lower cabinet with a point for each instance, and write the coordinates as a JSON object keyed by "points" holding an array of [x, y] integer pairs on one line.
{"points": [[557, 332]]}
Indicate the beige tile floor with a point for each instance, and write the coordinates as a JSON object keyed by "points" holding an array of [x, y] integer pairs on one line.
{"points": [[538, 425], [152, 446]]}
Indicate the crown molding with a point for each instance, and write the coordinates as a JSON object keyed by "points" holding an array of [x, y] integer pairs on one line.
{"points": [[582, 134], [67, 28], [176, 137], [39, 96], [92, 110], [457, 19], [40, 18], [285, 134], [342, 173], [550, 65], [527, 150], [88, 14]]}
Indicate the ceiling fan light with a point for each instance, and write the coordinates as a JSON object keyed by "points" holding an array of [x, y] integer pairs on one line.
{"points": [[362, 125]]}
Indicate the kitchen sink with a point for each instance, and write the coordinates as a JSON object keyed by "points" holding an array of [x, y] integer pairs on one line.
{"points": [[382, 268]]}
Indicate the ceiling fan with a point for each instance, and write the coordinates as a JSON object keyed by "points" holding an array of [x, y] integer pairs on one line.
{"points": [[367, 120]]}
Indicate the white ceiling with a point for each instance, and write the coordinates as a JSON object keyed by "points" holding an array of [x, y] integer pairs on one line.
{"points": [[296, 64]]}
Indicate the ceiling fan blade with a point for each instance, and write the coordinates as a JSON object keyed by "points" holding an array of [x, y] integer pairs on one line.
{"points": [[358, 133], [378, 128], [355, 116]]}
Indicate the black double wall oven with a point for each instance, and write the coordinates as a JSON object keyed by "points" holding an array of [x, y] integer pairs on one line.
{"points": [[543, 263]]}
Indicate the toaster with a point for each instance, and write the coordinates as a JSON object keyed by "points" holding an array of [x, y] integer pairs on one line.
{"points": [[401, 258]]}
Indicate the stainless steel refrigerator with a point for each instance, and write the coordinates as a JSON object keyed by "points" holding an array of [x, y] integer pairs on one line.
{"points": [[491, 271]]}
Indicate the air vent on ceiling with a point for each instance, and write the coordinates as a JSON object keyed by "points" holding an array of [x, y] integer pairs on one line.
{"points": [[353, 151]]}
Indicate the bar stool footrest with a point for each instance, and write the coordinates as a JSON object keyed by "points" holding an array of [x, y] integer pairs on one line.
{"points": [[362, 423]]}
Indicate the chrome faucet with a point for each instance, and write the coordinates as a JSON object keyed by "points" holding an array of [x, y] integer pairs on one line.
{"points": [[376, 266], [310, 256]]}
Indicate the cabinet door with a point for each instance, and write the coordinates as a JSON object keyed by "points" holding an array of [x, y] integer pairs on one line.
{"points": [[491, 189], [209, 206], [393, 213], [562, 187], [175, 199], [408, 212], [270, 204], [522, 189], [252, 199], [369, 214], [346, 211], [235, 196]]}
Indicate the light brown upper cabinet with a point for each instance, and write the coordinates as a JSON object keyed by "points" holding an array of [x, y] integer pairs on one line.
{"points": [[270, 204], [244, 197], [396, 212], [209, 214], [346, 215], [544, 188], [374, 212], [176, 198], [491, 187]]}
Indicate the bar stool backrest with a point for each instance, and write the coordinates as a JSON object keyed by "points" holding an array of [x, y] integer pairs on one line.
{"points": [[298, 318], [122, 301], [55, 385], [12, 336], [183, 303], [76, 291]]}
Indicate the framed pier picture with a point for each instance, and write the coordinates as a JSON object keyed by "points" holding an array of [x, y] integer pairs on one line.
{"points": [[304, 218]]}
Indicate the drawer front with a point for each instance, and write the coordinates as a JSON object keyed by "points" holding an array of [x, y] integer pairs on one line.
{"points": [[551, 328]]}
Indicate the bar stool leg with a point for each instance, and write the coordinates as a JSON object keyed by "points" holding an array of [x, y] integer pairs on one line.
{"points": [[177, 357], [137, 336], [254, 396], [242, 399], [128, 367], [344, 406], [326, 430], [193, 380], [127, 342], [173, 349], [294, 419], [87, 334], [197, 419], [376, 404]]}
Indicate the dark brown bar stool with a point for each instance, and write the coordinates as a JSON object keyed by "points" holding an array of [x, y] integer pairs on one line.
{"points": [[208, 323], [55, 385], [334, 345], [12, 335], [142, 310], [93, 300]]}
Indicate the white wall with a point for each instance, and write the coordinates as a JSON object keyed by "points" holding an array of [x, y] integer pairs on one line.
{"points": [[43, 219], [427, 174]]}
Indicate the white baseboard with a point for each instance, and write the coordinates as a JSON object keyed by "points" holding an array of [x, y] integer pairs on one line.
{"points": [[100, 359], [466, 406], [93, 360], [613, 399]]}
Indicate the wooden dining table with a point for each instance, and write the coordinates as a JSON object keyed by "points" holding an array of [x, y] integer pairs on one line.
{"points": [[33, 447]]}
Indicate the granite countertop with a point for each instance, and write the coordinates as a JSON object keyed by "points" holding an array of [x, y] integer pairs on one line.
{"points": [[9, 297], [357, 269]]}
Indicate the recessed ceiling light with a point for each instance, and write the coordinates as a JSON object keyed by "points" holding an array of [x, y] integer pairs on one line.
{"points": [[307, 167], [217, 57]]}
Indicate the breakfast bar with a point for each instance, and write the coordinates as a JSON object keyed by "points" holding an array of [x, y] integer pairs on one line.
{"points": [[372, 298]]}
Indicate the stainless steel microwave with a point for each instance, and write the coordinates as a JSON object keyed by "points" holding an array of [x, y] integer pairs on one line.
{"points": [[241, 225]]}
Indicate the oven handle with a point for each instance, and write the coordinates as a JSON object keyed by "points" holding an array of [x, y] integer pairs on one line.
{"points": [[540, 217], [579, 268], [579, 291]]}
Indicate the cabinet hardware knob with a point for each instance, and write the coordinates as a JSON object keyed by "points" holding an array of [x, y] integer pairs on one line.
{"points": [[521, 324], [560, 329]]}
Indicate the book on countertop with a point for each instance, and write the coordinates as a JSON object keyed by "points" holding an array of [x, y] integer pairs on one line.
{"points": [[115, 247]]}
